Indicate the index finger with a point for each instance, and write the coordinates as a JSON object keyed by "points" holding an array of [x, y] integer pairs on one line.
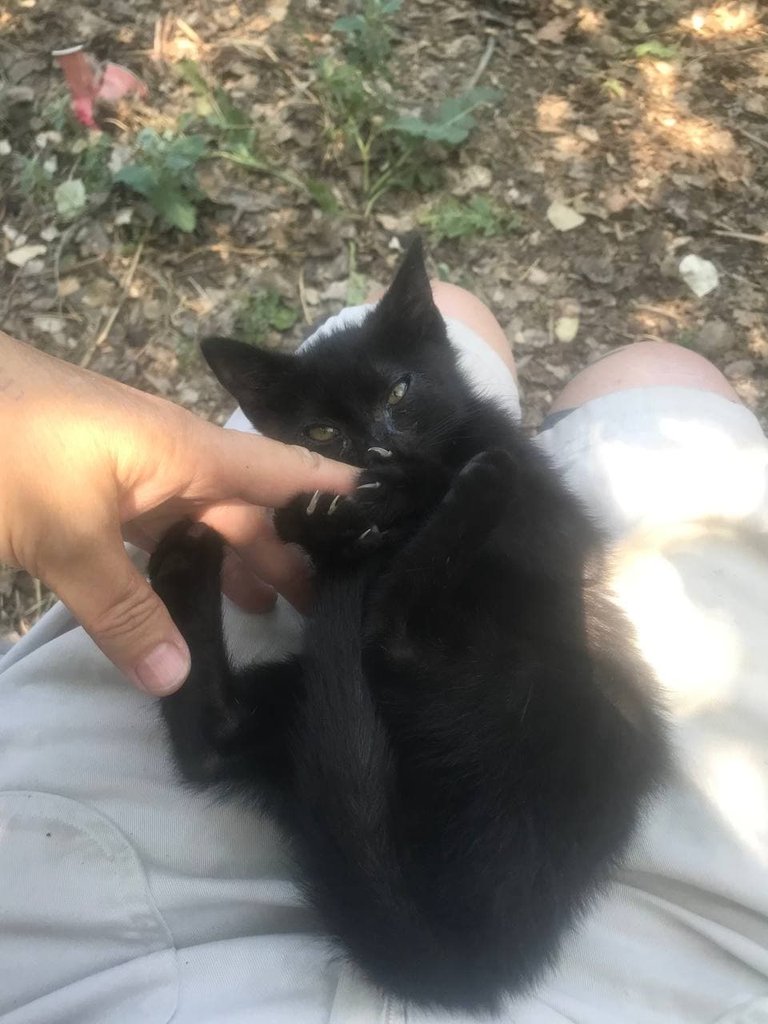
{"points": [[265, 472]]}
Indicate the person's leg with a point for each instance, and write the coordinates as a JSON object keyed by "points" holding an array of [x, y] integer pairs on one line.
{"points": [[459, 304], [644, 364], [654, 434]]}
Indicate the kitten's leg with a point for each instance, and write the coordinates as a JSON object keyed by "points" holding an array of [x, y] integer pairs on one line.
{"points": [[449, 541], [224, 725]]}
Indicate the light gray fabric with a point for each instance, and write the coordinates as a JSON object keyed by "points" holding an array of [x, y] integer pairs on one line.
{"points": [[126, 897]]}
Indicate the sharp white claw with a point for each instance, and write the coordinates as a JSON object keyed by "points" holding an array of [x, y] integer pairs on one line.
{"points": [[383, 452], [334, 504], [369, 487], [313, 503], [373, 531]]}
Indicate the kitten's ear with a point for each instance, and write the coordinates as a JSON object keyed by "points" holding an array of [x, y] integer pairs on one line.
{"points": [[409, 298], [249, 374]]}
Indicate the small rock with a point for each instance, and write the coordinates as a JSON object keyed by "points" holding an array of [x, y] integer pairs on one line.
{"points": [[566, 328], [471, 179], [562, 217], [739, 368], [700, 275], [714, 338], [24, 255], [49, 324], [68, 286], [48, 234], [5, 147], [537, 276]]}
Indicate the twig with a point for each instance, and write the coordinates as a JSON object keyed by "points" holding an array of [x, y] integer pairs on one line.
{"points": [[303, 297], [744, 236], [748, 135], [104, 332], [484, 61], [657, 309]]}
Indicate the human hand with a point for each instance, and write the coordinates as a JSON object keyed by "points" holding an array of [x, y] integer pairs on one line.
{"points": [[88, 462]]}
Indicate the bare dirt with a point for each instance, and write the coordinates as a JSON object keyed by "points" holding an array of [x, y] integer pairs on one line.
{"points": [[648, 119]]}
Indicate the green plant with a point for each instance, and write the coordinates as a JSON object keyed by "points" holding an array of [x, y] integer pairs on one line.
{"points": [[230, 127], [452, 218], [655, 48], [368, 33], [261, 313], [164, 173], [394, 150]]}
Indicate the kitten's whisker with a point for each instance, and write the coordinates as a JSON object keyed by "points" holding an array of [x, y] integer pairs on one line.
{"points": [[334, 505], [313, 503], [383, 452]]}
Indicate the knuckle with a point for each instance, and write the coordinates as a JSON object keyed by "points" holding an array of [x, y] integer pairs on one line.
{"points": [[311, 459], [129, 613]]}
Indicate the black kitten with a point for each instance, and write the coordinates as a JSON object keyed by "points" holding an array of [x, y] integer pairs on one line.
{"points": [[461, 752]]}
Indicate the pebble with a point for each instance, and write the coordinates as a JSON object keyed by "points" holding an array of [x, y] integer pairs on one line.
{"points": [[714, 338]]}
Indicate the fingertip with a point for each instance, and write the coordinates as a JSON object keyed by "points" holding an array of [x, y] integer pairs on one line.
{"points": [[163, 670]]}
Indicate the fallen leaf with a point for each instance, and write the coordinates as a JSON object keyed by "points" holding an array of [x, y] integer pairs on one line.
{"points": [[562, 217], [21, 257], [555, 30], [700, 275]]}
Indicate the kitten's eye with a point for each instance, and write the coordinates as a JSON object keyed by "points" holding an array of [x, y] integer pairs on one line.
{"points": [[397, 394], [321, 432]]}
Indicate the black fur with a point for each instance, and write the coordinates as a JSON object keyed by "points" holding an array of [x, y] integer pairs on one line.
{"points": [[461, 752]]}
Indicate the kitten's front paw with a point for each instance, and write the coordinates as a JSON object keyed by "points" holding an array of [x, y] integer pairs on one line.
{"points": [[325, 525]]}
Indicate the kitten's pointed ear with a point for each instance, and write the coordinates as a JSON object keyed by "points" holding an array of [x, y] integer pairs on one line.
{"points": [[251, 375], [409, 297]]}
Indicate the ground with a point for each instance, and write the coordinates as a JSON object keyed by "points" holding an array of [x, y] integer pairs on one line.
{"points": [[645, 121]]}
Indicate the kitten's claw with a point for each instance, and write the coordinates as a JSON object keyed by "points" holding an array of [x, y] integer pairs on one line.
{"points": [[372, 531], [334, 505], [313, 503], [369, 487], [383, 452]]}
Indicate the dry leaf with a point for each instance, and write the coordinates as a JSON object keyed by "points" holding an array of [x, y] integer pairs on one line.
{"points": [[555, 30], [562, 217], [21, 257]]}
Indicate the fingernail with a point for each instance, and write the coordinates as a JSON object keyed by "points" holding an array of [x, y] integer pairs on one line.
{"points": [[162, 671]]}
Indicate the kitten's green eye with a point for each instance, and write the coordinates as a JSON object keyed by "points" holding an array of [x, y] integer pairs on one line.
{"points": [[397, 394], [321, 432]]}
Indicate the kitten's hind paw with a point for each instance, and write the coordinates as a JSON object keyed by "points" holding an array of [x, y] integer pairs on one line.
{"points": [[188, 558]]}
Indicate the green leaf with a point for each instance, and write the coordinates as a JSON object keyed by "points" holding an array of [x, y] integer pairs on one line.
{"points": [[69, 197], [322, 195], [183, 152], [174, 207], [453, 120], [351, 25], [654, 48], [140, 177]]}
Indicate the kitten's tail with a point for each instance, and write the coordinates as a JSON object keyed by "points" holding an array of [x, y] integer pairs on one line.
{"points": [[348, 820]]}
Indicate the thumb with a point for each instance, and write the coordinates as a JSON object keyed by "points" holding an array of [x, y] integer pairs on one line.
{"points": [[118, 608]]}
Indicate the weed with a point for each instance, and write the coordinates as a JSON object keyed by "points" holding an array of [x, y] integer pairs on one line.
{"points": [[655, 48], [451, 218], [163, 172], [368, 33], [261, 313], [394, 150]]}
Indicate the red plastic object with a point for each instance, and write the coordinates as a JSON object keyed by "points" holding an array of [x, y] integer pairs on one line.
{"points": [[90, 82]]}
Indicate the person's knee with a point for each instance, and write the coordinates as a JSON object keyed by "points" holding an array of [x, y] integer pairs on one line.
{"points": [[641, 365], [460, 304]]}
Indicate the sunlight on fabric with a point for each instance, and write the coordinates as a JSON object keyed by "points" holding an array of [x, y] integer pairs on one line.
{"points": [[736, 787], [685, 451], [695, 651]]}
